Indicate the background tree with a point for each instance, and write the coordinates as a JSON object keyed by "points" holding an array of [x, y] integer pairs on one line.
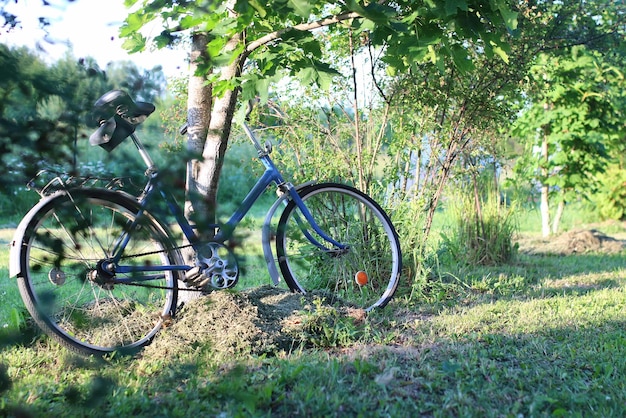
{"points": [[142, 84], [41, 106], [45, 109], [578, 115], [573, 95]]}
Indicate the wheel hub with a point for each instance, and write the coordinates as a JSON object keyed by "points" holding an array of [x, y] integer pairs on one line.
{"points": [[102, 275]]}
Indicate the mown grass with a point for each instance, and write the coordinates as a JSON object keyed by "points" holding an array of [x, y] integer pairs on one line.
{"points": [[544, 336]]}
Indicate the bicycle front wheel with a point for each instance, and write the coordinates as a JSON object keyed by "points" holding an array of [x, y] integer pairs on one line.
{"points": [[364, 272], [70, 287]]}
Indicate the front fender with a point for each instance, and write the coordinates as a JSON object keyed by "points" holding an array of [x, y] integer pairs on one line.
{"points": [[266, 234]]}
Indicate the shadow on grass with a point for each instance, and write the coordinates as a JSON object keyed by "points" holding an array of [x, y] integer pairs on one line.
{"points": [[558, 371], [561, 370], [530, 276], [11, 337]]}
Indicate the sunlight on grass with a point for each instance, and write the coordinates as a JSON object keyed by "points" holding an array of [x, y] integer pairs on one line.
{"points": [[542, 336], [535, 316]]}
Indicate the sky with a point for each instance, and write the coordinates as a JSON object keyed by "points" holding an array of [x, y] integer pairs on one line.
{"points": [[88, 28]]}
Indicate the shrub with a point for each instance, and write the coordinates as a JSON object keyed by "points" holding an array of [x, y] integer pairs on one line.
{"points": [[610, 199]]}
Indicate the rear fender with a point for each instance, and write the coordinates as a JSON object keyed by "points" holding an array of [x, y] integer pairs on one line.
{"points": [[17, 244]]}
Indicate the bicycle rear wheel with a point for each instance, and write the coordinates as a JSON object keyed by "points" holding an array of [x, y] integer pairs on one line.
{"points": [[365, 273], [69, 290]]}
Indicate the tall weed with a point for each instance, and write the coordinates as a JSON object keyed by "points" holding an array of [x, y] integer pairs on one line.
{"points": [[482, 230]]}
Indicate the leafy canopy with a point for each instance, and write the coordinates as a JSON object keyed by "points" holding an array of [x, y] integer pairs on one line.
{"points": [[281, 35]]}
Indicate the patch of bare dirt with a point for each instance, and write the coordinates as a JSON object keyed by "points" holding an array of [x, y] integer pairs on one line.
{"points": [[585, 241]]}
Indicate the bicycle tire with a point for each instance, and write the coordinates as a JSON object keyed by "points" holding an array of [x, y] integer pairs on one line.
{"points": [[65, 288], [350, 217]]}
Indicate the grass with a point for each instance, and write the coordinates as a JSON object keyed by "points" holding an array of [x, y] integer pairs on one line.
{"points": [[543, 336]]}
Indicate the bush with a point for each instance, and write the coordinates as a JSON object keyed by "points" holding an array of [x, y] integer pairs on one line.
{"points": [[610, 199]]}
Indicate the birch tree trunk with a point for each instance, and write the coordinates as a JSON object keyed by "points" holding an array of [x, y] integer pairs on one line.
{"points": [[199, 102], [216, 140], [198, 117], [545, 204], [557, 216]]}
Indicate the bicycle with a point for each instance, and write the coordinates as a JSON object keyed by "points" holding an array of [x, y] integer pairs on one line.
{"points": [[100, 271]]}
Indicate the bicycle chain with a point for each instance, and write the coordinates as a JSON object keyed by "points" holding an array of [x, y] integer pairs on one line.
{"points": [[155, 252], [151, 286]]}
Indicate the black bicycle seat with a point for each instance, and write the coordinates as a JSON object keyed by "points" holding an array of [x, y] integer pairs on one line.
{"points": [[117, 115], [118, 102]]}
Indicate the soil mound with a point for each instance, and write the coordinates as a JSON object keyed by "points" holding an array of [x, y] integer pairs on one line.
{"points": [[264, 320], [574, 242], [233, 323]]}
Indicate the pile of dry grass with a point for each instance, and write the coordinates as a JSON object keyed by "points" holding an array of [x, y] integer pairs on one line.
{"points": [[264, 320], [230, 324], [584, 241]]}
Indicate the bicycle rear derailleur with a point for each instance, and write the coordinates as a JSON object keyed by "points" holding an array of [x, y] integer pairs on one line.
{"points": [[216, 268]]}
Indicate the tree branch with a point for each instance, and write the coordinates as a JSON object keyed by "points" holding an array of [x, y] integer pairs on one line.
{"points": [[301, 27]]}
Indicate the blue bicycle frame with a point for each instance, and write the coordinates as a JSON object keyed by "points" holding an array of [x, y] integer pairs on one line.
{"points": [[225, 231]]}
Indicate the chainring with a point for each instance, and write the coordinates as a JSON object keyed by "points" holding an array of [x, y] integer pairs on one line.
{"points": [[215, 268]]}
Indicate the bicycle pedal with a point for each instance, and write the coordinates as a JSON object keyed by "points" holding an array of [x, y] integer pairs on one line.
{"points": [[193, 274]]}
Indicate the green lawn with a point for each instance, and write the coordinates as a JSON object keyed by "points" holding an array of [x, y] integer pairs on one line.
{"points": [[545, 336], [13, 310]]}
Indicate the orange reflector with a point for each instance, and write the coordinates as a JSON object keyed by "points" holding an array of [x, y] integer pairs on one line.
{"points": [[361, 278]]}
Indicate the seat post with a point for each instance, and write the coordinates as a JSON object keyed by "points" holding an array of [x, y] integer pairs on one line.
{"points": [[144, 153]]}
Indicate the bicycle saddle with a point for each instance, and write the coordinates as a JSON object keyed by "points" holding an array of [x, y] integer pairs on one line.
{"points": [[118, 102], [117, 115]]}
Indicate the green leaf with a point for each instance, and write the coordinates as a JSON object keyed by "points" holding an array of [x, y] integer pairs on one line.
{"points": [[324, 80], [133, 23], [258, 7], [215, 46], [262, 87], [461, 58], [451, 6], [500, 52], [301, 7], [134, 43], [375, 12], [164, 39], [509, 16], [190, 21], [306, 75]]}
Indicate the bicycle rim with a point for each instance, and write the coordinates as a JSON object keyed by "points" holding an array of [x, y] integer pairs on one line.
{"points": [[68, 293], [366, 273]]}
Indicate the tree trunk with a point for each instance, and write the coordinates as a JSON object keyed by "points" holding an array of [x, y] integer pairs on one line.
{"points": [[545, 211], [214, 149], [198, 117], [357, 126], [557, 216], [442, 178], [480, 222], [545, 206], [209, 139]]}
